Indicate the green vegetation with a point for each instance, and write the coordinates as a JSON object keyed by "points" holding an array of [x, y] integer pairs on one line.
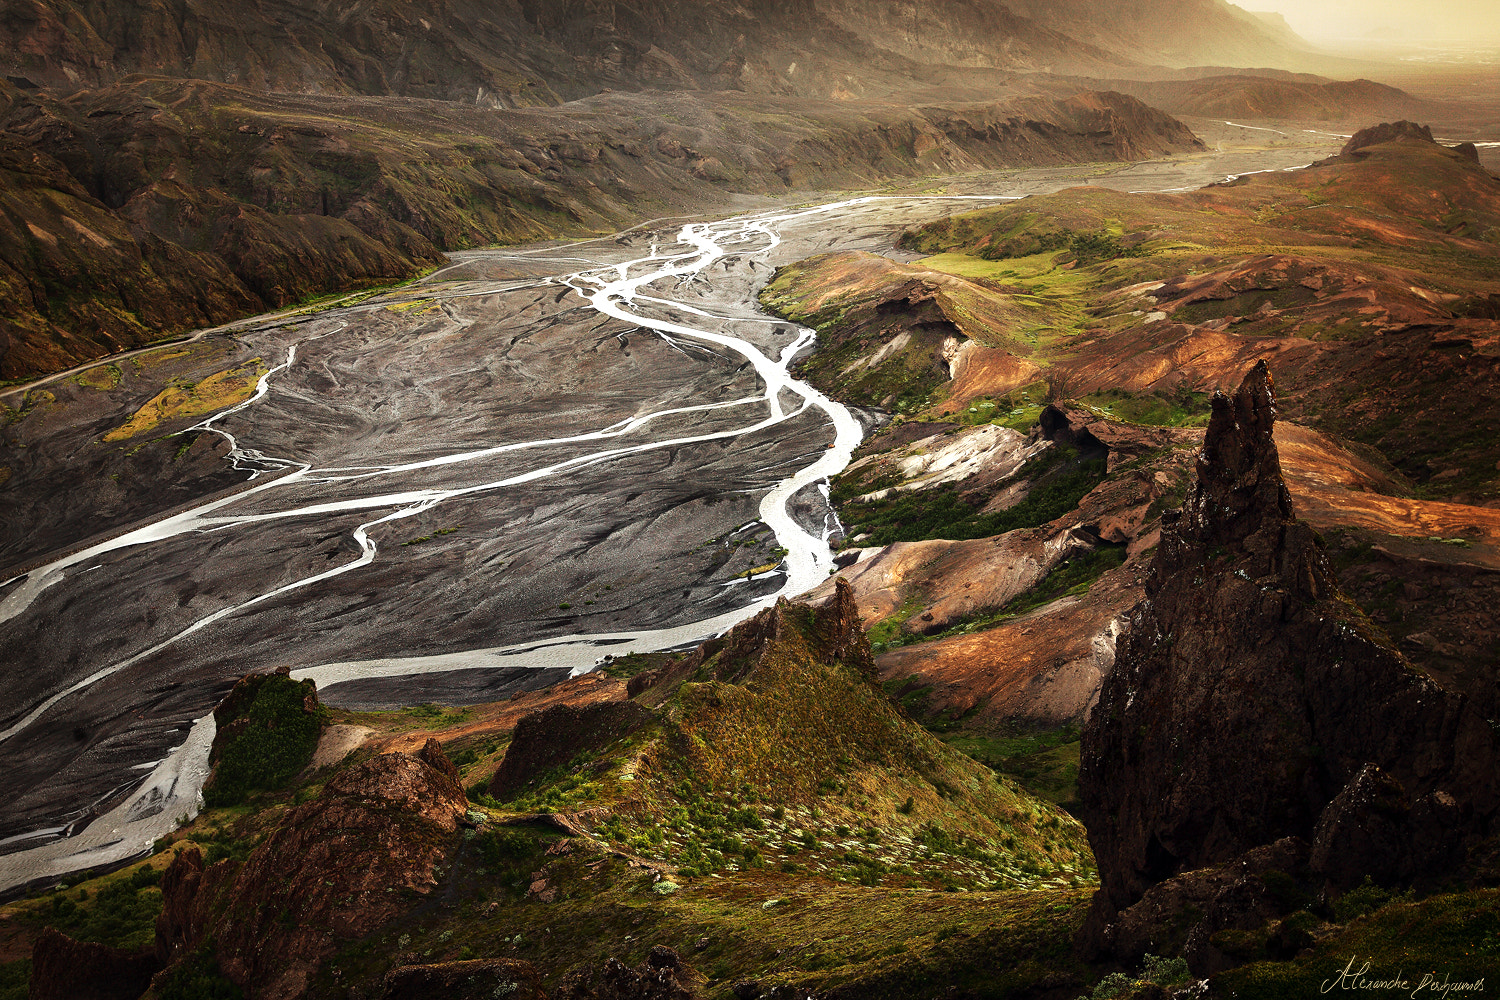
{"points": [[15, 980], [436, 534], [1362, 900], [198, 978], [1095, 248], [432, 716], [630, 664], [183, 399], [1453, 937], [1042, 760], [1180, 408], [1060, 480], [1162, 973], [118, 911], [220, 840], [267, 733], [101, 377]]}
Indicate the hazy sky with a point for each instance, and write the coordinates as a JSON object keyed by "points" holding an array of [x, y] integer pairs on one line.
{"points": [[1476, 21]]}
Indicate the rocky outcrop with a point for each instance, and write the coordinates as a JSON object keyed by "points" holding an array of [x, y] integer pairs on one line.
{"points": [[840, 634], [837, 635], [1250, 702], [189, 889], [1386, 132], [1186, 914], [266, 730], [483, 979], [662, 976], [64, 969], [554, 736], [332, 871]]}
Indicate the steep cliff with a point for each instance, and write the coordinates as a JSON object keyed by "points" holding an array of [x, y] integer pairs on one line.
{"points": [[1252, 702], [327, 875]]}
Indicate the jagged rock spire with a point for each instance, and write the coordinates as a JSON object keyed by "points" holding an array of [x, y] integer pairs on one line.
{"points": [[1240, 505], [1248, 698], [1239, 471]]}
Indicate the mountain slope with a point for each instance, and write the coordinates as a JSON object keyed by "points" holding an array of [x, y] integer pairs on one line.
{"points": [[758, 804], [522, 52], [195, 202], [1266, 96], [1166, 32]]}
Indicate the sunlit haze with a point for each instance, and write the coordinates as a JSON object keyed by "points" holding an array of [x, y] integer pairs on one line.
{"points": [[1449, 22]]}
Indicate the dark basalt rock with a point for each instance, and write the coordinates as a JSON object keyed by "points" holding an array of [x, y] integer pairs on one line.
{"points": [[189, 888], [841, 634], [482, 979], [662, 976], [1251, 702], [1183, 914], [64, 969], [1387, 132], [554, 736]]}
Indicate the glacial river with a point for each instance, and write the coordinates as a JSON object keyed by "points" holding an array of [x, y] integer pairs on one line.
{"points": [[301, 563]]}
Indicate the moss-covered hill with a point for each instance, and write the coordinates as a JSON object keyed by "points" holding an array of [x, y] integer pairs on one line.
{"points": [[769, 813], [768, 751], [771, 817], [1367, 282]]}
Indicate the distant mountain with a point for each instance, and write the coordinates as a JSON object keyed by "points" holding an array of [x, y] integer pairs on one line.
{"points": [[529, 52], [1167, 32], [1294, 96], [1279, 27]]}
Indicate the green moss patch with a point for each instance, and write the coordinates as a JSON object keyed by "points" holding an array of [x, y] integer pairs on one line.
{"points": [[1451, 938], [1182, 407], [118, 911], [15, 980], [268, 728], [1060, 477]]}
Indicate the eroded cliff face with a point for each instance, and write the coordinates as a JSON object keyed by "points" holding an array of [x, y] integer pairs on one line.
{"points": [[1251, 702], [336, 868]]}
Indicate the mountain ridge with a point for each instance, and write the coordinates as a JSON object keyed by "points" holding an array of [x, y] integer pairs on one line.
{"points": [[186, 204], [520, 52]]}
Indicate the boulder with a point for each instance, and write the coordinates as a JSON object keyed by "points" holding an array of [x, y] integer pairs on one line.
{"points": [[554, 736], [662, 976]]}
